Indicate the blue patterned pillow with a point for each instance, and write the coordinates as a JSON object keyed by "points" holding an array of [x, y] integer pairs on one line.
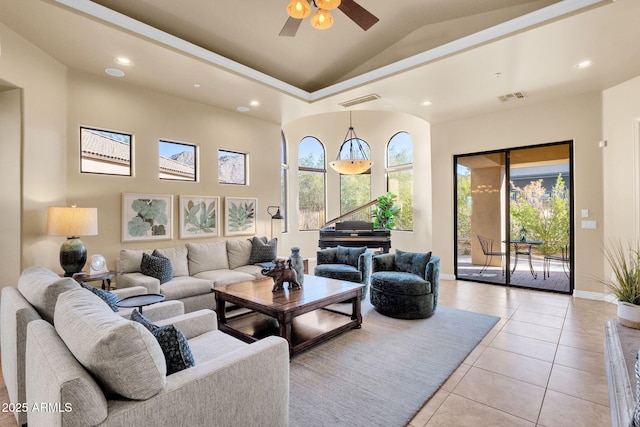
{"points": [[263, 251], [174, 345], [110, 299], [156, 265]]}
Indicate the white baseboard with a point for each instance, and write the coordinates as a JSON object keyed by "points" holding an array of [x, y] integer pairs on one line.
{"points": [[447, 276], [598, 296]]}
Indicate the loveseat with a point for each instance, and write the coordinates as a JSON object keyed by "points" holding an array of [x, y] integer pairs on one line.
{"points": [[35, 298], [196, 268], [97, 368]]}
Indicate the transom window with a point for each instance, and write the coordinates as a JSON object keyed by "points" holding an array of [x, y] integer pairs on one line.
{"points": [[105, 152], [177, 161], [232, 167]]}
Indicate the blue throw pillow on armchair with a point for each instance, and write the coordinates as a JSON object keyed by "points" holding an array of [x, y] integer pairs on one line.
{"points": [[412, 262]]}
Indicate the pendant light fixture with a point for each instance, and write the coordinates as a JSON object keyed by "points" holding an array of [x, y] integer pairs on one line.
{"points": [[321, 19], [358, 162]]}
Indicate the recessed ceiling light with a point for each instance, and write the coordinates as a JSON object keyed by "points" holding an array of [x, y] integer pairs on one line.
{"points": [[122, 60], [196, 85], [427, 103], [243, 109], [584, 64], [255, 103], [114, 72]]}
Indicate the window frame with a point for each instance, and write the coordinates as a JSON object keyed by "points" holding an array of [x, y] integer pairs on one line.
{"points": [[113, 158], [195, 160], [400, 168], [307, 169], [245, 169]]}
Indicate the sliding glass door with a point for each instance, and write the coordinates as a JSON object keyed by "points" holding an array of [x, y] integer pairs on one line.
{"points": [[514, 217]]}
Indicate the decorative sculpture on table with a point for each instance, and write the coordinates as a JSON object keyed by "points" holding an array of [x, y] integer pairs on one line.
{"points": [[282, 272]]}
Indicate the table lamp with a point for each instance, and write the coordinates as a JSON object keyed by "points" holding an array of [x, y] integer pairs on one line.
{"points": [[72, 222]]}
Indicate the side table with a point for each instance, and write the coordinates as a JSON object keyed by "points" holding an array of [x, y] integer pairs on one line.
{"points": [[139, 301], [104, 277]]}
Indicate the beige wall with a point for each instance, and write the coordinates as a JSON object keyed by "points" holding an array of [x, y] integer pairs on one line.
{"points": [[377, 128], [43, 147], [577, 119], [621, 161], [10, 202], [104, 102]]}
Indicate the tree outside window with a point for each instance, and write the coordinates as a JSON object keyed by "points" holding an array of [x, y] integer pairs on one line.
{"points": [[355, 190], [400, 177], [311, 182]]}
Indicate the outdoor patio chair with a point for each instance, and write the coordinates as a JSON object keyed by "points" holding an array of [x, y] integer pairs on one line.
{"points": [[564, 258], [487, 248]]}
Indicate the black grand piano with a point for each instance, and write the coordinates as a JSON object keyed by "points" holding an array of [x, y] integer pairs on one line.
{"points": [[355, 234]]}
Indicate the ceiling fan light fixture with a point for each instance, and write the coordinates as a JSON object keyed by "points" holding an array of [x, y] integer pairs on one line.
{"points": [[321, 19], [328, 4], [298, 9]]}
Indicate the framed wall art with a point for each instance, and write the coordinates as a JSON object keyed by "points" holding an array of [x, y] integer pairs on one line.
{"points": [[199, 216], [240, 215], [147, 217]]}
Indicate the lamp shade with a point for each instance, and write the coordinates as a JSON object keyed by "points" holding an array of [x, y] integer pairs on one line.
{"points": [[72, 221], [351, 166], [328, 4], [321, 20], [298, 9]]}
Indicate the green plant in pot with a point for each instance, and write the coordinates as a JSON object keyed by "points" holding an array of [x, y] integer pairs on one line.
{"points": [[384, 214], [625, 264]]}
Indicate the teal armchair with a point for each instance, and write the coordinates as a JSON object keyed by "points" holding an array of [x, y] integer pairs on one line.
{"points": [[342, 263]]}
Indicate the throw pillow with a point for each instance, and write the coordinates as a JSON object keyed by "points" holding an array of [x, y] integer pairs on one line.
{"points": [[173, 343], [156, 265], [262, 251], [110, 299], [412, 262]]}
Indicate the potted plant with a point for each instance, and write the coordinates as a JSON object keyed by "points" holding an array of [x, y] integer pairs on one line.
{"points": [[384, 213], [624, 281]]}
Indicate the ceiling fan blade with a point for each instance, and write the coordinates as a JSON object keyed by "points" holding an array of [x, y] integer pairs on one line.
{"points": [[358, 14], [290, 27]]}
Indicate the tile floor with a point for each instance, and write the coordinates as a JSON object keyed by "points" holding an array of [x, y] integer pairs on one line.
{"points": [[542, 365]]}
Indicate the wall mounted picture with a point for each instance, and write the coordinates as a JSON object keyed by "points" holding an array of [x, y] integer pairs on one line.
{"points": [[199, 216], [240, 216], [147, 217]]}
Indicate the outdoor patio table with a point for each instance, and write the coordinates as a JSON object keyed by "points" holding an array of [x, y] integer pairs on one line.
{"points": [[519, 249]]}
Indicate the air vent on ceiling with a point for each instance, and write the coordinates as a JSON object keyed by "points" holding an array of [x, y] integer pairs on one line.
{"points": [[360, 100], [511, 96]]}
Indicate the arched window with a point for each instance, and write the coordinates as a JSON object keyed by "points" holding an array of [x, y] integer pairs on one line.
{"points": [[311, 183], [400, 177], [284, 182], [355, 190]]}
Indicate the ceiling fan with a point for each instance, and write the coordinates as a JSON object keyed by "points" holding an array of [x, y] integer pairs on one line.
{"points": [[321, 19]]}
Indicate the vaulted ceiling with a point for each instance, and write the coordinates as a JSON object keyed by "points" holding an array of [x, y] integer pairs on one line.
{"points": [[461, 55]]}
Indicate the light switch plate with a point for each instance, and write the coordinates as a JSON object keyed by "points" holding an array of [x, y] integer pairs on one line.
{"points": [[589, 224], [585, 213]]}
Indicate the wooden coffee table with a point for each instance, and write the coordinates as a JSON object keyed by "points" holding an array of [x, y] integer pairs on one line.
{"points": [[300, 316]]}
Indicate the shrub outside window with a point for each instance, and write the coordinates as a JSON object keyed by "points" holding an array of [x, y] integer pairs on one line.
{"points": [[105, 152]]}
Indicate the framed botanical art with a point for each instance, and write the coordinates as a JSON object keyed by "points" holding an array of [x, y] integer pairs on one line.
{"points": [[199, 216], [240, 216], [147, 217]]}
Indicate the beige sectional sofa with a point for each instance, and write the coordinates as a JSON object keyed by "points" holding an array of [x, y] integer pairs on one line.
{"points": [[35, 298], [100, 357], [197, 268]]}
